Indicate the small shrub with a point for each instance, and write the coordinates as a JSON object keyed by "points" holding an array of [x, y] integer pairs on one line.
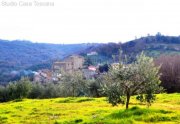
{"points": [[78, 120]]}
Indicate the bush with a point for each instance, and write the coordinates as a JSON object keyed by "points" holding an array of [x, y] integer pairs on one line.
{"points": [[23, 87], [3, 94], [36, 91]]}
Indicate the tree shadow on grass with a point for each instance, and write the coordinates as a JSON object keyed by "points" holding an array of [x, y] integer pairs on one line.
{"points": [[75, 100], [145, 115]]}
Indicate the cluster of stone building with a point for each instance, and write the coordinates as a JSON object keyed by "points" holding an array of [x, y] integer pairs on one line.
{"points": [[68, 65]]}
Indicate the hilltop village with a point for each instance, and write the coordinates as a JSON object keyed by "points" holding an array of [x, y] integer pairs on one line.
{"points": [[69, 65]]}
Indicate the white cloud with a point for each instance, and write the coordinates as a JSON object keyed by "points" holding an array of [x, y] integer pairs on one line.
{"points": [[73, 21]]}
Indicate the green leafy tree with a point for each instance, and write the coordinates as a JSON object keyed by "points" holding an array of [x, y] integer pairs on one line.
{"points": [[74, 84], [11, 89], [23, 88], [123, 81], [50, 91], [4, 96], [94, 88], [37, 91]]}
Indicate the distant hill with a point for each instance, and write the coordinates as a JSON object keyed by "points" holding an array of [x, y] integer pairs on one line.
{"points": [[153, 46], [24, 55]]}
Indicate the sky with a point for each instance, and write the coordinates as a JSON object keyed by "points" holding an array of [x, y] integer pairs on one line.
{"points": [[87, 21]]}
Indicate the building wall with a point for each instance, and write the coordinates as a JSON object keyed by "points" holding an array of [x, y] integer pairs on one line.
{"points": [[70, 64]]}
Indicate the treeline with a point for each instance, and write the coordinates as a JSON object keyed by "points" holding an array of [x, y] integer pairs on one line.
{"points": [[74, 85], [70, 86]]}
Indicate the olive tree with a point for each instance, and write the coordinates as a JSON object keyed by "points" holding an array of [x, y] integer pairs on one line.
{"points": [[23, 87], [74, 84], [140, 78]]}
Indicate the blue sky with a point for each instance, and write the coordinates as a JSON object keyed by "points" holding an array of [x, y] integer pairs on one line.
{"points": [[87, 21]]}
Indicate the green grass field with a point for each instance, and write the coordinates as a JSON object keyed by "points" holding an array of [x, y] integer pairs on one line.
{"points": [[165, 110]]}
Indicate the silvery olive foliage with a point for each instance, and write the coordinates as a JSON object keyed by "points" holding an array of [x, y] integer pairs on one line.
{"points": [[138, 78]]}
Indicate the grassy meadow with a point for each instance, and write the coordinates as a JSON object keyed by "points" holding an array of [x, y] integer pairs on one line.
{"points": [[83, 110]]}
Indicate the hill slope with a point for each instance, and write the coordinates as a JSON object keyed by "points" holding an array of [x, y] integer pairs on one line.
{"points": [[152, 45], [24, 55], [21, 55], [82, 110]]}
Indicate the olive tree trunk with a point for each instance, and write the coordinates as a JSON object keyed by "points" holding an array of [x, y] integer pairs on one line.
{"points": [[127, 99]]}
